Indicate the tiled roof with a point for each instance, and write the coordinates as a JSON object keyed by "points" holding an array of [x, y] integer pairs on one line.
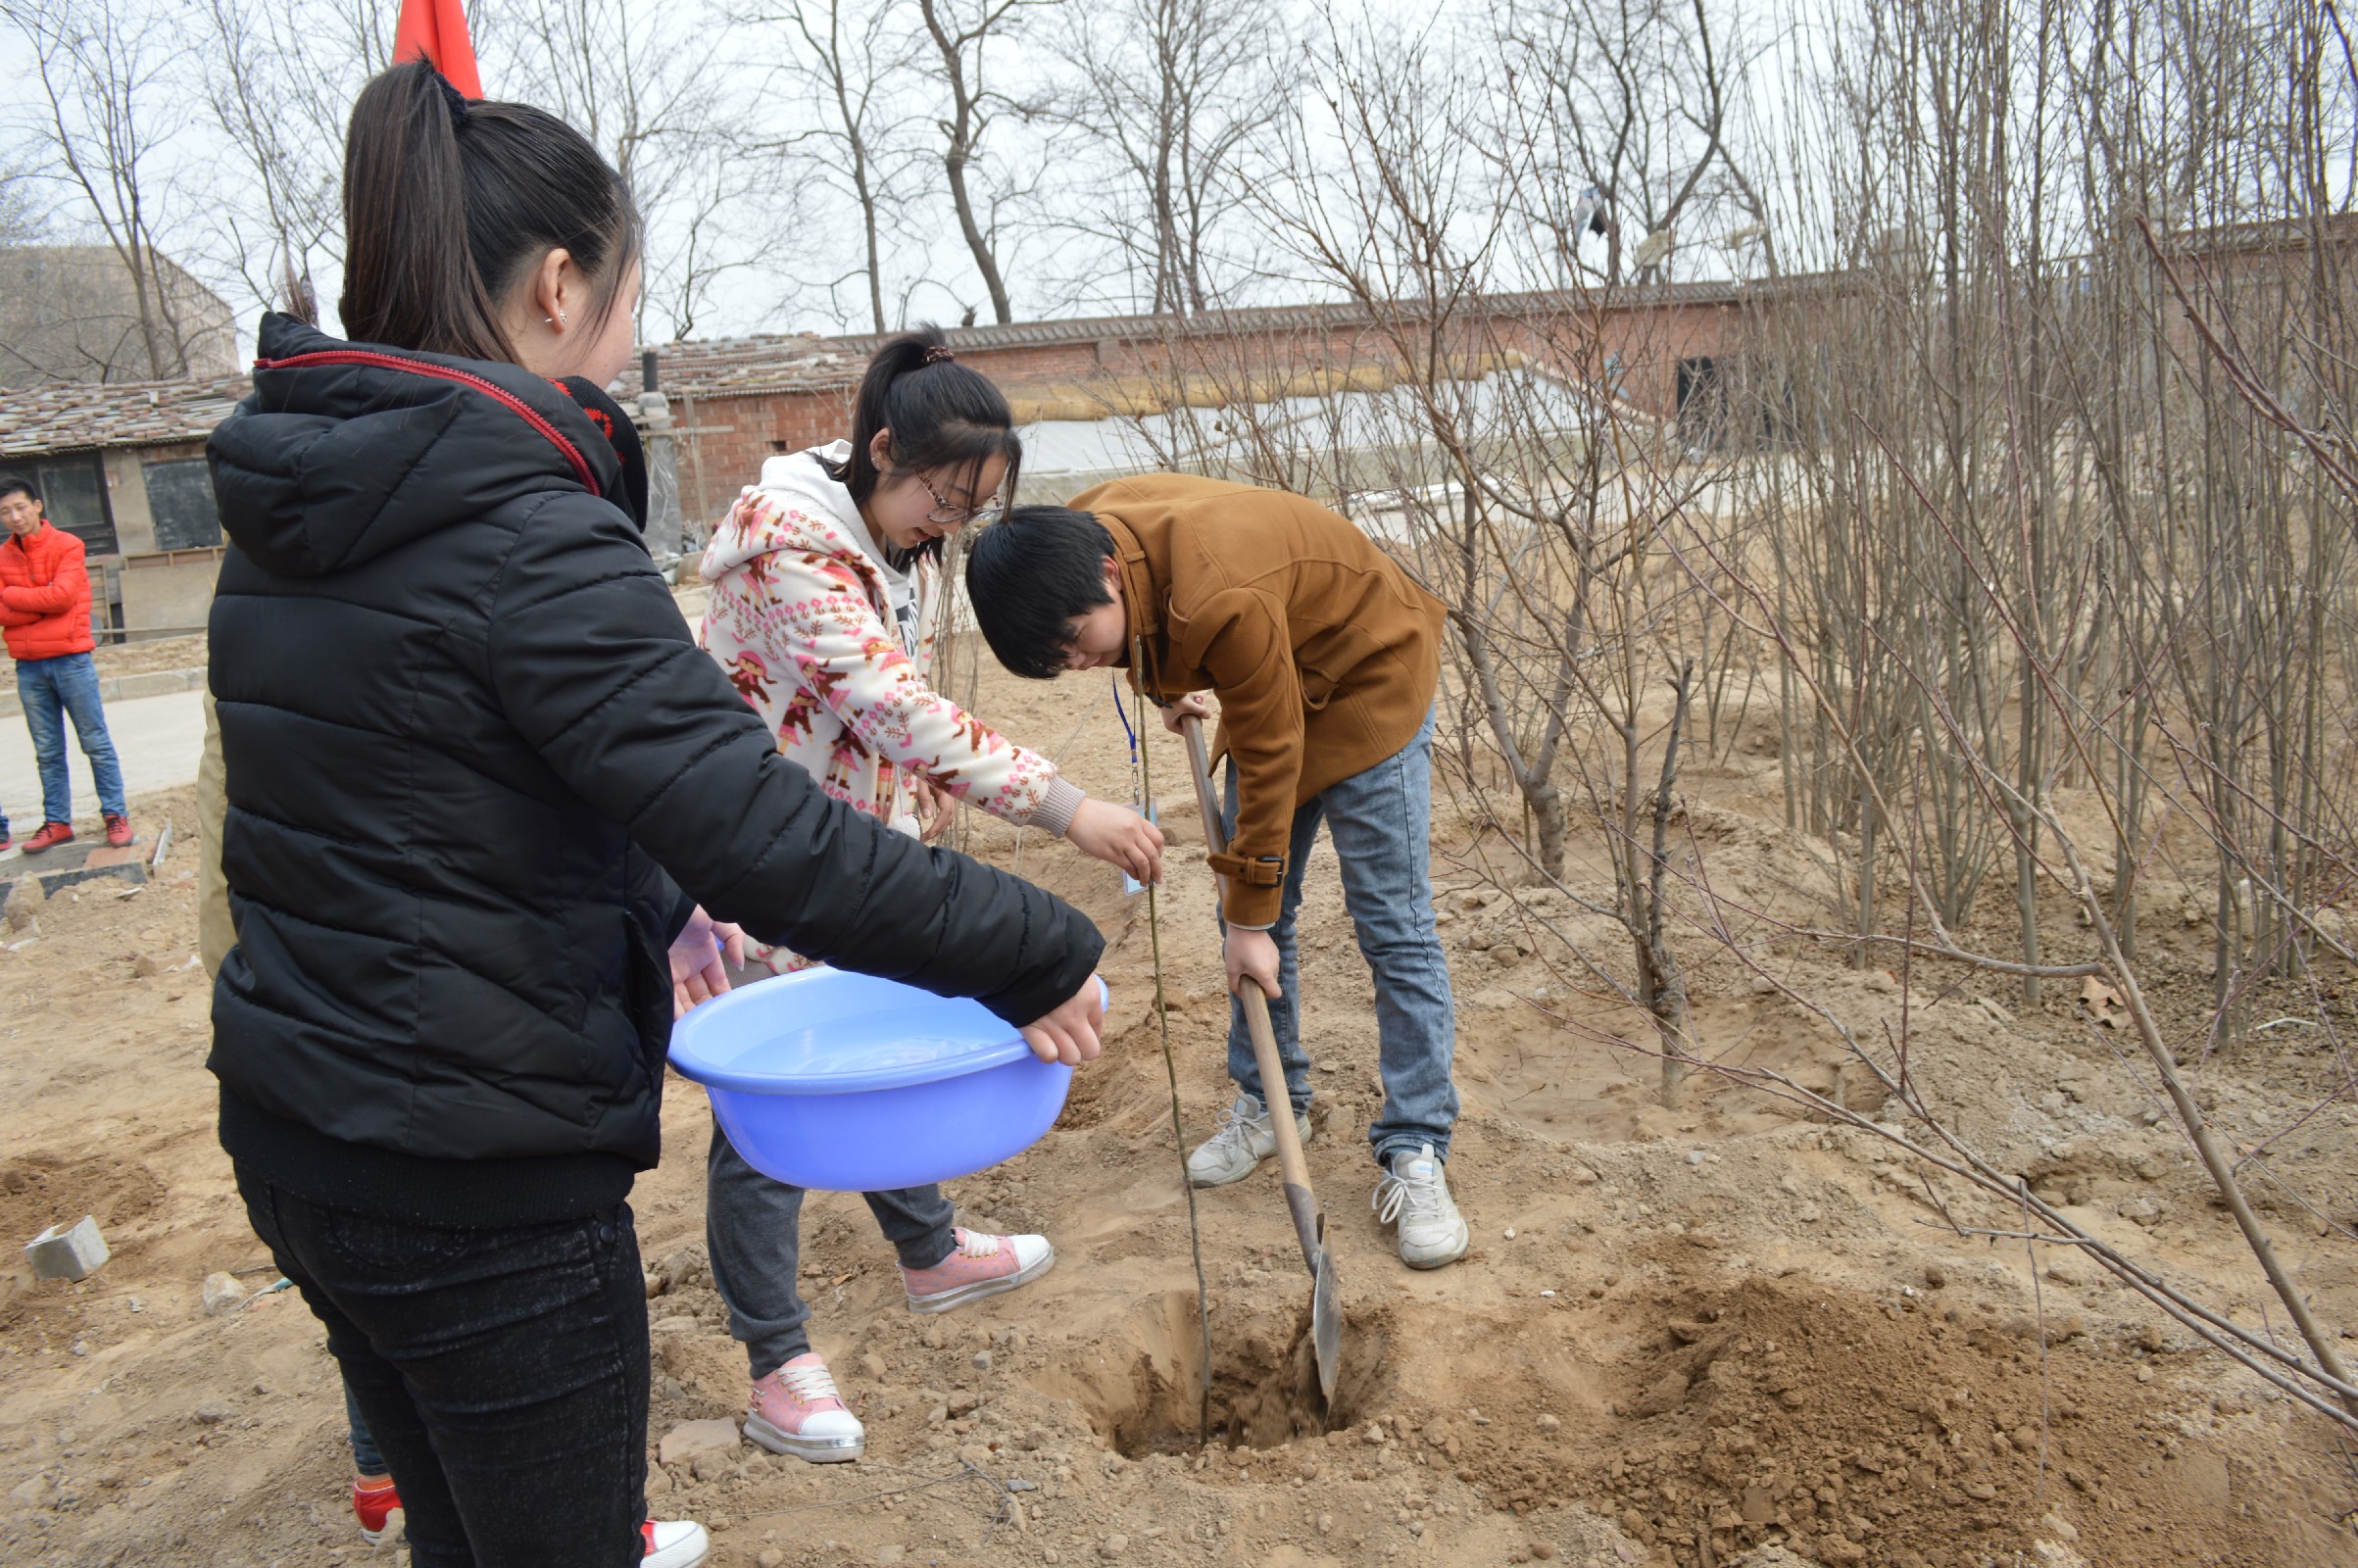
{"points": [[73, 416], [744, 367]]}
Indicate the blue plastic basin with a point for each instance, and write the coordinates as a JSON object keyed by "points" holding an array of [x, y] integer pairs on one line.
{"points": [[852, 1084]]}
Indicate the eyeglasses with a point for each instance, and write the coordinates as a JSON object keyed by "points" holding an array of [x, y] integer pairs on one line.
{"points": [[948, 514]]}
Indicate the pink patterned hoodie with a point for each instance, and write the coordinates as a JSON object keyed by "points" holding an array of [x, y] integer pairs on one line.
{"points": [[831, 644]]}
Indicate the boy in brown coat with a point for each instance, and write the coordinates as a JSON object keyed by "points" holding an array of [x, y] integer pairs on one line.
{"points": [[1325, 656]]}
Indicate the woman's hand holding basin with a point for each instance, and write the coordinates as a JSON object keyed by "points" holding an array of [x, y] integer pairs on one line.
{"points": [[1068, 1034]]}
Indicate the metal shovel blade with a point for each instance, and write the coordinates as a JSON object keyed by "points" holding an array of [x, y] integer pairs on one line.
{"points": [[1326, 1320], [1326, 1297]]}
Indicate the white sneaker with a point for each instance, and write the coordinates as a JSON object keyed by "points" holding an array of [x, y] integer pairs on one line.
{"points": [[674, 1543], [1243, 1140], [1415, 1194]]}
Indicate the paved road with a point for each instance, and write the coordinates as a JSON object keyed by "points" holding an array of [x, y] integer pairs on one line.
{"points": [[157, 738]]}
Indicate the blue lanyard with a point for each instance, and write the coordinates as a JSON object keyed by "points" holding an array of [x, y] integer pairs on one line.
{"points": [[1128, 733]]}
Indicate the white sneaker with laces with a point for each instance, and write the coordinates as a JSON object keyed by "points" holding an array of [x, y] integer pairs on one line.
{"points": [[1414, 1194], [674, 1543], [1243, 1141]]}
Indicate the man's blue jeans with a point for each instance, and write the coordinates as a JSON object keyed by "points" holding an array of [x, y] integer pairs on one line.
{"points": [[53, 689], [1382, 823]]}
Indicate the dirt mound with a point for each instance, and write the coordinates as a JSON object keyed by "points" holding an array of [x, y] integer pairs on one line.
{"points": [[1853, 1430], [37, 1191]]}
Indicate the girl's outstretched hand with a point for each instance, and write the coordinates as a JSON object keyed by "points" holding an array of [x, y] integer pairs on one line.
{"points": [[1118, 837], [696, 971], [935, 809], [1069, 1033]]}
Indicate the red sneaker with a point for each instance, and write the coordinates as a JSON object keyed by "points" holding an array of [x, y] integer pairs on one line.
{"points": [[374, 1506], [119, 831], [5, 841], [51, 835], [674, 1543]]}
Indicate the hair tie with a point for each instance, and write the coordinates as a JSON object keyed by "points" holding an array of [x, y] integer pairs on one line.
{"points": [[452, 99], [937, 354]]}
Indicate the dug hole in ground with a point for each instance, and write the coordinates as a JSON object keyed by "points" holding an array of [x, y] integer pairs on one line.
{"points": [[1723, 1334]]}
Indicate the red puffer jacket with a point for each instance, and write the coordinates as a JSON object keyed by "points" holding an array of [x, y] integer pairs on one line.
{"points": [[45, 594]]}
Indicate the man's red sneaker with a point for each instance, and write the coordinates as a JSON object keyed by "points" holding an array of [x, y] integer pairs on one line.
{"points": [[374, 1506], [119, 831], [6, 842], [51, 835]]}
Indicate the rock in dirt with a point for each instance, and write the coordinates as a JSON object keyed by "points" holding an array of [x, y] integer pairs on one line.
{"points": [[770, 1557], [221, 1294], [1112, 1546], [1663, 1398], [873, 1365], [146, 967], [2069, 1270], [692, 1438]]}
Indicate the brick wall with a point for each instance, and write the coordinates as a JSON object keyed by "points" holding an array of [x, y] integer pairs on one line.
{"points": [[1633, 351]]}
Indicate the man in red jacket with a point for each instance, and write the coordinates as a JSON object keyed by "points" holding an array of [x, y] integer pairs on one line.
{"points": [[45, 617]]}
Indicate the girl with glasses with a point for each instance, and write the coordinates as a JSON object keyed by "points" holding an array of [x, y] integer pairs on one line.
{"points": [[827, 598]]}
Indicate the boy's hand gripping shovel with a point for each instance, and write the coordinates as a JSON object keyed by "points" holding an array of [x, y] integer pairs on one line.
{"points": [[1309, 1222]]}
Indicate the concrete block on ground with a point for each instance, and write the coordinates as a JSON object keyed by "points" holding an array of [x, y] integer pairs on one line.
{"points": [[69, 1251], [125, 865], [156, 683]]}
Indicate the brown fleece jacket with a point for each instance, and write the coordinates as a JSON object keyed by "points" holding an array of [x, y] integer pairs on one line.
{"points": [[1325, 655]]}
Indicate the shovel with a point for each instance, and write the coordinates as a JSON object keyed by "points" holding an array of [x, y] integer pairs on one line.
{"points": [[1309, 1221]]}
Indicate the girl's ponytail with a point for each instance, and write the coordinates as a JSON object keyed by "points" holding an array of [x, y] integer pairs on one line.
{"points": [[448, 202], [941, 416]]}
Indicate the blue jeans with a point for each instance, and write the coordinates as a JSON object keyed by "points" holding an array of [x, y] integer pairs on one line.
{"points": [[366, 1460], [51, 690], [1382, 825]]}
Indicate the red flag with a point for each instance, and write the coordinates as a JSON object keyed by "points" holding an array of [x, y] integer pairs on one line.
{"points": [[437, 30]]}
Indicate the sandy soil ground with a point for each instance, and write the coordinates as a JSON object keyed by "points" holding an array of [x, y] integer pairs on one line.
{"points": [[131, 659], [1696, 1337]]}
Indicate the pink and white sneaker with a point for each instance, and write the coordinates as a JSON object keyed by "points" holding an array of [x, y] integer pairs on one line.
{"points": [[674, 1543], [796, 1410], [981, 1266]]}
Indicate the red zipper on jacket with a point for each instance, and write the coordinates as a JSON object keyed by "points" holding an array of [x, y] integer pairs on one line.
{"points": [[491, 389]]}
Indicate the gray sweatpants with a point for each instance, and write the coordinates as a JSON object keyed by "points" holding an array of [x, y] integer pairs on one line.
{"points": [[753, 1234]]}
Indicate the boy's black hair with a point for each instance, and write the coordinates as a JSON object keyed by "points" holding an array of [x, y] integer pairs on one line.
{"points": [[17, 484], [1030, 576]]}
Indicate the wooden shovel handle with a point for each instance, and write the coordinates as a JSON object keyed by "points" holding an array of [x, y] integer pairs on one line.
{"points": [[1292, 1168]]}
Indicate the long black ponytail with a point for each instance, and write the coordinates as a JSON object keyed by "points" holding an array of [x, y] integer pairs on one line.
{"points": [[447, 201], [941, 416]]}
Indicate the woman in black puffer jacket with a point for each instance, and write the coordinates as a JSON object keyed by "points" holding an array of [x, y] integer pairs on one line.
{"points": [[480, 780]]}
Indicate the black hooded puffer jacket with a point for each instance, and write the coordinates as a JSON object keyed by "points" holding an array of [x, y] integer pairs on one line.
{"points": [[463, 724]]}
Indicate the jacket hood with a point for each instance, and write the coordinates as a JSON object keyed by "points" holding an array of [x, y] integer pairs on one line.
{"points": [[346, 451], [814, 513]]}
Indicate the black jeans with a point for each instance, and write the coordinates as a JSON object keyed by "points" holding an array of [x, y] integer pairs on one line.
{"points": [[503, 1372]]}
